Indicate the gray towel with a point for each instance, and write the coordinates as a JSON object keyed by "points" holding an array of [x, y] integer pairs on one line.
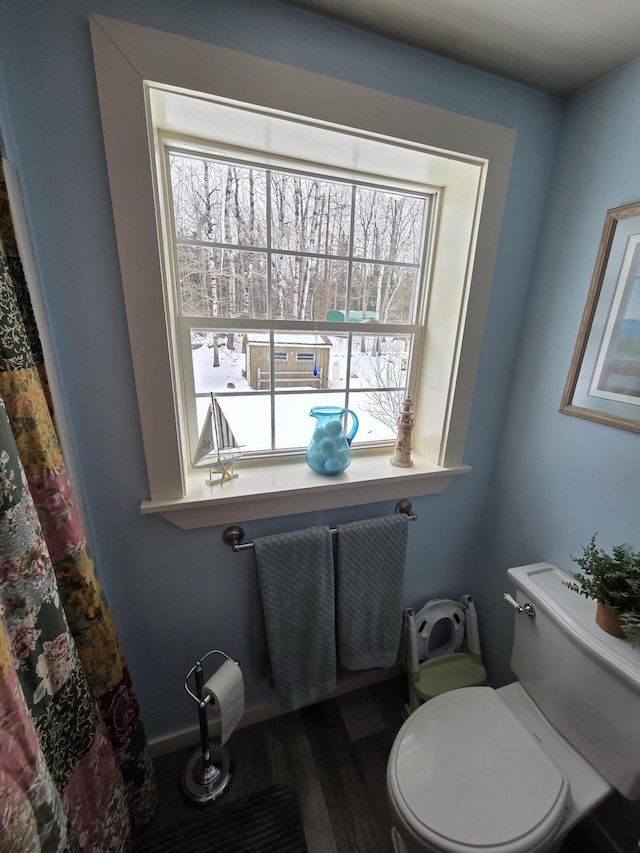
{"points": [[369, 587], [295, 571]]}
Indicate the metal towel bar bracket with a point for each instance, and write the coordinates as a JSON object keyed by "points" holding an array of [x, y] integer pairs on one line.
{"points": [[234, 535]]}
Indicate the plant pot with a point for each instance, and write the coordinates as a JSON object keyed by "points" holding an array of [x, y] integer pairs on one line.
{"points": [[609, 621]]}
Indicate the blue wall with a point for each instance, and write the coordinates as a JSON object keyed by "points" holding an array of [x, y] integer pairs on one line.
{"points": [[557, 478], [176, 594]]}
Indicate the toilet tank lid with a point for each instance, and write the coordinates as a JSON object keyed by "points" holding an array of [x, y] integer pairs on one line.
{"points": [[544, 586], [467, 776]]}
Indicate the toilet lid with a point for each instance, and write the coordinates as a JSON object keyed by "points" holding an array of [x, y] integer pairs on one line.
{"points": [[467, 776]]}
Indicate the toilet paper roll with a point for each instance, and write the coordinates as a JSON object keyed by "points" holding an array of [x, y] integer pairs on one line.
{"points": [[225, 690]]}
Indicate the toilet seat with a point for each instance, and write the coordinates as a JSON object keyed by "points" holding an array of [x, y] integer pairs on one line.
{"points": [[465, 776]]}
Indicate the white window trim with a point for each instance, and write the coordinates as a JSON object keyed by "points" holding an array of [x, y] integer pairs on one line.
{"points": [[473, 185]]}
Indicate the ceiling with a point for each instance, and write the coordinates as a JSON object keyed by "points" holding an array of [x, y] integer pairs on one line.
{"points": [[555, 45]]}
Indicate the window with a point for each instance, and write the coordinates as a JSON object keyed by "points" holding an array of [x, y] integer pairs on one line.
{"points": [[158, 88], [294, 253]]}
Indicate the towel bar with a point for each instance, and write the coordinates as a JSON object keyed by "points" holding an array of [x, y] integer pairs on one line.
{"points": [[234, 535]]}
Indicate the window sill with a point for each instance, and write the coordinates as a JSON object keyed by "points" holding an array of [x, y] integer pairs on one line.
{"points": [[265, 490]]}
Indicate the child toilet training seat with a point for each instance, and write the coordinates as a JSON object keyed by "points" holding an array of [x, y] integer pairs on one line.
{"points": [[436, 669], [433, 612], [474, 796]]}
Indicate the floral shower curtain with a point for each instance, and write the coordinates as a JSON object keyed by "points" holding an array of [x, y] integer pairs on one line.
{"points": [[75, 769]]}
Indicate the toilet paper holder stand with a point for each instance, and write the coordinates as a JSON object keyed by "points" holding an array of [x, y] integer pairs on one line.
{"points": [[208, 770]]}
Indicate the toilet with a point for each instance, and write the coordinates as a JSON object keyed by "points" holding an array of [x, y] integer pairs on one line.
{"points": [[477, 770]]}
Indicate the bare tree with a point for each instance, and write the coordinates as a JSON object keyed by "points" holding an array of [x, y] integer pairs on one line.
{"points": [[385, 406]]}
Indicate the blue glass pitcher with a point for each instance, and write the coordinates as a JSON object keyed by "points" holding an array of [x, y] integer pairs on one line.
{"points": [[329, 451]]}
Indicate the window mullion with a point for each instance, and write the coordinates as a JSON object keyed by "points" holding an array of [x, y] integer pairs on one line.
{"points": [[347, 377], [309, 326], [272, 383], [269, 247], [245, 247], [347, 306]]}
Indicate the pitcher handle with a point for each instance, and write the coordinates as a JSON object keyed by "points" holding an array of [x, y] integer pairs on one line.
{"points": [[354, 428]]}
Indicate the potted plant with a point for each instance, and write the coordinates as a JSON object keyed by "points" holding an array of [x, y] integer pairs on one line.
{"points": [[613, 580]]}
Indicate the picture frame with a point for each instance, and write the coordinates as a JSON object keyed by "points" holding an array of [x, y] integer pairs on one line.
{"points": [[603, 384]]}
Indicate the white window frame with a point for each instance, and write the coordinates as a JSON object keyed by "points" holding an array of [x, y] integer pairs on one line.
{"points": [[159, 102], [466, 159]]}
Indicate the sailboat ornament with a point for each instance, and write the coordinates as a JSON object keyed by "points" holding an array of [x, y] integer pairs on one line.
{"points": [[216, 437]]}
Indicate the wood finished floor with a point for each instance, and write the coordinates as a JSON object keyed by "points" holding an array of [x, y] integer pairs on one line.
{"points": [[334, 755]]}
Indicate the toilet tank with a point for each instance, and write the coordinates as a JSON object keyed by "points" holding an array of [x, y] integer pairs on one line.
{"points": [[586, 682]]}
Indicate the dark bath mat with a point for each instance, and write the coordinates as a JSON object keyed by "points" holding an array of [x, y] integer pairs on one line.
{"points": [[266, 822]]}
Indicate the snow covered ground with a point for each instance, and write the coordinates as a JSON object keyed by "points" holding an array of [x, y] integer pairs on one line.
{"points": [[250, 418]]}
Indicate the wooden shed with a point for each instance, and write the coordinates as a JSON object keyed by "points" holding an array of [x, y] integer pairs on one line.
{"points": [[294, 360]]}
